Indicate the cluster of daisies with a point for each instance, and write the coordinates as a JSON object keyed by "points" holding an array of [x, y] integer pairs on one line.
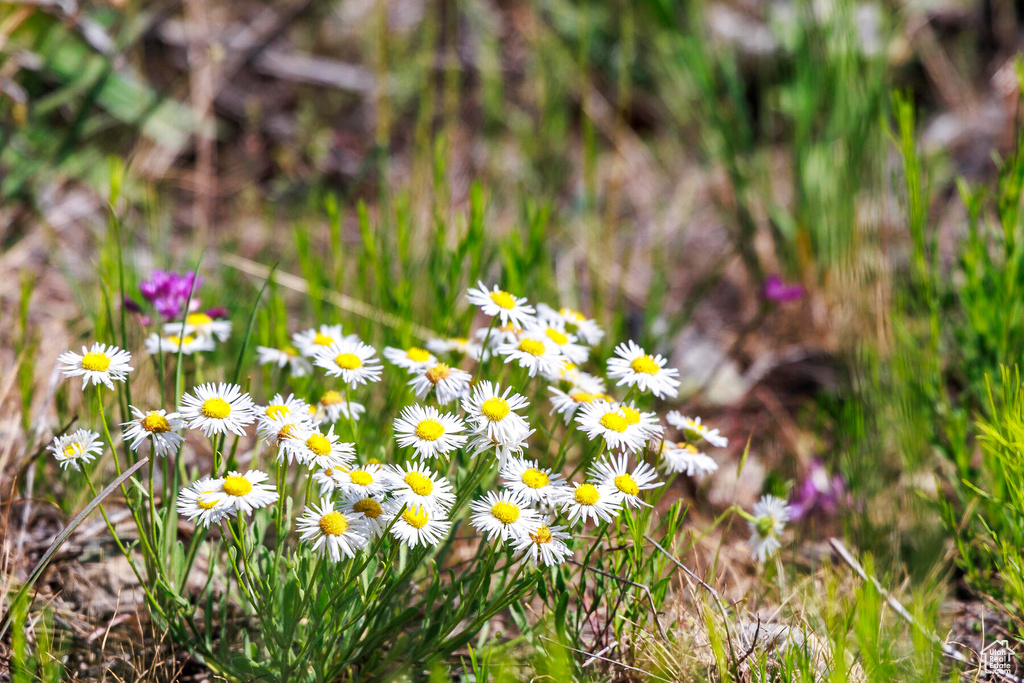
{"points": [[360, 501]]}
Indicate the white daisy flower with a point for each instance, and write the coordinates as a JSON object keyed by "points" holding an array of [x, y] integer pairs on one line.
{"points": [[377, 512], [280, 432], [529, 480], [415, 484], [455, 345], [633, 366], [687, 459], [536, 353], [353, 361], [362, 480], [500, 334], [587, 500], [503, 450], [246, 492], [588, 331], [413, 359], [204, 503], [504, 515], [546, 544], [332, 532], [325, 480], [565, 341], [158, 427], [494, 414], [200, 325], [448, 383], [566, 403], [314, 339], [614, 472], [101, 363], [770, 517], [333, 406], [286, 356], [318, 450], [646, 424], [170, 344], [218, 409], [418, 525], [693, 429], [279, 408], [609, 422], [429, 431], [82, 445], [495, 302]]}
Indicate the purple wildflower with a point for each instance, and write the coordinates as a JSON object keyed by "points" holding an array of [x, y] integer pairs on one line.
{"points": [[818, 492], [217, 312], [776, 289], [168, 292]]}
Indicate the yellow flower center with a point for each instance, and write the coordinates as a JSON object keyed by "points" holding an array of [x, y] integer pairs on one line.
{"points": [[197, 319], [373, 461], [319, 444], [322, 339], [581, 396], [333, 523], [506, 513], [541, 535], [416, 517], [73, 450], [369, 507], [420, 485], [286, 432], [348, 361], [556, 336], [645, 364], [179, 341], [417, 355], [430, 430], [438, 373], [689, 448], [361, 478], [96, 362], [573, 314], [331, 398], [235, 485], [155, 423], [274, 412], [614, 421], [632, 415], [535, 479], [533, 347], [495, 409], [204, 503], [217, 408], [504, 300], [625, 483], [586, 494], [290, 351]]}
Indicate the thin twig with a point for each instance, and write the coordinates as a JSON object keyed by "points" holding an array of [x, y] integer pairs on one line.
{"points": [[654, 610], [606, 659]]}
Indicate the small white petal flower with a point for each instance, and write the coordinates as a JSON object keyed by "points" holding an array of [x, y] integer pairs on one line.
{"points": [[770, 517], [454, 345], [693, 429], [286, 356], [447, 383], [645, 424], [586, 329], [413, 359], [546, 544], [377, 511], [314, 339], [528, 479], [369, 480], [418, 525], [566, 403], [218, 409], [199, 325], [333, 406], [81, 446], [318, 450], [504, 515], [536, 353], [246, 492], [170, 344], [495, 302], [503, 450], [429, 431], [614, 472], [415, 484], [587, 500], [353, 361], [610, 423], [204, 503], [156, 427], [100, 363], [281, 408], [494, 414], [633, 366], [687, 459], [566, 342], [333, 533]]}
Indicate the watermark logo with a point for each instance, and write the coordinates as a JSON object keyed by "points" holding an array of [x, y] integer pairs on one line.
{"points": [[997, 658]]}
